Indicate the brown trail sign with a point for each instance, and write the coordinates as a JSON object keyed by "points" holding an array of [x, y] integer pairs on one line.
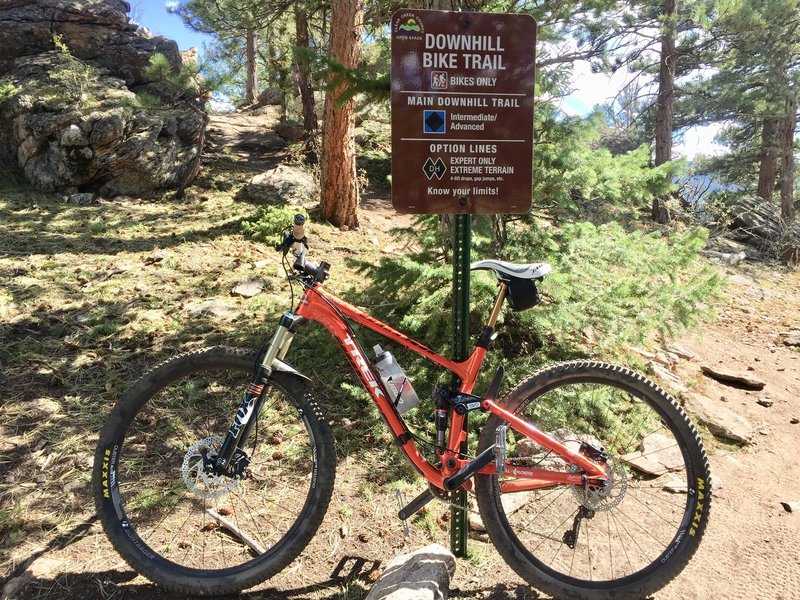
{"points": [[462, 112]]}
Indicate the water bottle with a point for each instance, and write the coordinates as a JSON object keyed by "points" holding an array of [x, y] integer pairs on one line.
{"points": [[395, 380]]}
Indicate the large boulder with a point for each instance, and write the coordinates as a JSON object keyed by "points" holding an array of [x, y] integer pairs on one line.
{"points": [[283, 185], [98, 31], [70, 115]]}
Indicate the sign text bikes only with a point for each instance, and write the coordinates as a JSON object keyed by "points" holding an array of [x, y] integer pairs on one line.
{"points": [[462, 112]]}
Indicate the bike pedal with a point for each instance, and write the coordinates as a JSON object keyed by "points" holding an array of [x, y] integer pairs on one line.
{"points": [[415, 505], [500, 449]]}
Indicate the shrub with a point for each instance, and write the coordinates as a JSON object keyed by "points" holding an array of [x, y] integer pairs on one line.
{"points": [[270, 222]]}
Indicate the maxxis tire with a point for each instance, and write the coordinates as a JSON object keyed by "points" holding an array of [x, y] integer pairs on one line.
{"points": [[694, 517], [111, 446]]}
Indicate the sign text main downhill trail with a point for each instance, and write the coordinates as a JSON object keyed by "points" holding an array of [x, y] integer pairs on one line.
{"points": [[462, 112]]}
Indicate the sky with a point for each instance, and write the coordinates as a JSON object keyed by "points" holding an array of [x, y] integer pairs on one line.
{"points": [[153, 14], [589, 88]]}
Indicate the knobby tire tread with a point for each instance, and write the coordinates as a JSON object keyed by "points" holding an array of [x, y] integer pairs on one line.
{"points": [[209, 582], [488, 494]]}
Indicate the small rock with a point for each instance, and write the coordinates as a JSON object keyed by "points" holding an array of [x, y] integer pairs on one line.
{"points": [[344, 530], [676, 486], [155, 257], [248, 289], [363, 537], [214, 308], [765, 402], [726, 375], [657, 455], [40, 478], [791, 506], [680, 351], [83, 199], [140, 287], [424, 574], [667, 377], [74, 486], [720, 420], [790, 338], [478, 536], [794, 420]]}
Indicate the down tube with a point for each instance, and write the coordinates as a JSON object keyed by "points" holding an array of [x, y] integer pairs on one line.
{"points": [[316, 310]]}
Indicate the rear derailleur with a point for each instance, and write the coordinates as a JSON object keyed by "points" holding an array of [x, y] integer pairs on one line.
{"points": [[571, 535]]}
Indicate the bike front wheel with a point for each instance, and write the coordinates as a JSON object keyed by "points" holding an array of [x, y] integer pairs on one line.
{"points": [[621, 541], [185, 528]]}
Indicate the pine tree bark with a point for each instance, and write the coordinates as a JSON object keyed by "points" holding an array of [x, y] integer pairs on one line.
{"points": [[665, 103], [787, 161], [251, 87], [304, 72], [338, 181], [768, 166]]}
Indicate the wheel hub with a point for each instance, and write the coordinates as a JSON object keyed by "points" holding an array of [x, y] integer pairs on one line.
{"points": [[606, 497], [198, 477]]}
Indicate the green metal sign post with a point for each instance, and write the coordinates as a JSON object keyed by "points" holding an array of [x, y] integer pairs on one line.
{"points": [[462, 241], [462, 138]]}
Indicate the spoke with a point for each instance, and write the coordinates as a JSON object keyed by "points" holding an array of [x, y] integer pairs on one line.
{"points": [[624, 546], [643, 528], [610, 551], [656, 513], [547, 537], [635, 541], [541, 512], [660, 497]]}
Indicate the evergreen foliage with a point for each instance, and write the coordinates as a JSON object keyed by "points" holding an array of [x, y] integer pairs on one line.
{"points": [[609, 288], [270, 221], [176, 83]]}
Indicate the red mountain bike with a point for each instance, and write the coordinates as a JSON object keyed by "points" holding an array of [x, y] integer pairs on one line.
{"points": [[590, 479]]}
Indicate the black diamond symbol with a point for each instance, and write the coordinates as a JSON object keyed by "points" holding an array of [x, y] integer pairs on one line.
{"points": [[434, 169], [429, 168], [440, 168], [434, 122]]}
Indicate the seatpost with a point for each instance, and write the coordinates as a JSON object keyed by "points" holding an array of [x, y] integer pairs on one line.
{"points": [[498, 304], [487, 333]]}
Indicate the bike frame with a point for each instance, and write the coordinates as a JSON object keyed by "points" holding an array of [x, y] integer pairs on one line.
{"points": [[319, 305]]}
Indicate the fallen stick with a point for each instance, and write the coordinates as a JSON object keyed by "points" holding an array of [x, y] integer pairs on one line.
{"points": [[254, 545]]}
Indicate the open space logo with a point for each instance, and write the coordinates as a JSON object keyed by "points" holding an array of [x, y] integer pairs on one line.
{"points": [[408, 25]]}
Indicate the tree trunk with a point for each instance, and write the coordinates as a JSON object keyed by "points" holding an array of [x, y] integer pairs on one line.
{"points": [[768, 169], [664, 104], [339, 198], [304, 71], [251, 87], [441, 4], [787, 161]]}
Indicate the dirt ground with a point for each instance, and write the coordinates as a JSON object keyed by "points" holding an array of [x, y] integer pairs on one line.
{"points": [[751, 549]]}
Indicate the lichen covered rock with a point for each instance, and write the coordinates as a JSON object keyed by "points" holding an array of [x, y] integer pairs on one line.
{"points": [[79, 113]]}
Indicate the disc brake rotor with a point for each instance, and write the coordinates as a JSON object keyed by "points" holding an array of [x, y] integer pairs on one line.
{"points": [[607, 497], [197, 480]]}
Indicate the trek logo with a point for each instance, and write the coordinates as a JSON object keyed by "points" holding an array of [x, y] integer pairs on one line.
{"points": [[357, 357]]}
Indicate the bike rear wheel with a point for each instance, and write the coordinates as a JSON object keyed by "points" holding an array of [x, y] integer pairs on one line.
{"points": [[625, 540], [198, 533]]}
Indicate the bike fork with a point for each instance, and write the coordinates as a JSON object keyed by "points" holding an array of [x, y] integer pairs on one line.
{"points": [[257, 392]]}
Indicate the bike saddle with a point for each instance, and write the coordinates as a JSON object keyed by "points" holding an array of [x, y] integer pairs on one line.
{"points": [[504, 270]]}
